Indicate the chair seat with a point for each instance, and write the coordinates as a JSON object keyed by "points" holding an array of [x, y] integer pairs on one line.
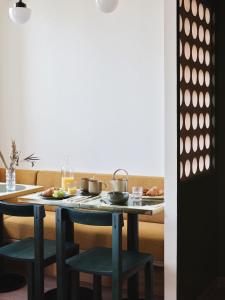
{"points": [[99, 261], [24, 250]]}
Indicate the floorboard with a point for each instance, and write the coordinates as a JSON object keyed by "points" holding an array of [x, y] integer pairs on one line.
{"points": [[50, 283]]}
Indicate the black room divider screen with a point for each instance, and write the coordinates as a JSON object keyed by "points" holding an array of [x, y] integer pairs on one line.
{"points": [[197, 185]]}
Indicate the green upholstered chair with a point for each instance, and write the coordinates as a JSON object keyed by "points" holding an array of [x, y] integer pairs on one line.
{"points": [[35, 252], [99, 262]]}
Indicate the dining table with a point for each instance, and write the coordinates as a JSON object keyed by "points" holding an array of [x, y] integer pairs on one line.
{"points": [[147, 206], [11, 281]]}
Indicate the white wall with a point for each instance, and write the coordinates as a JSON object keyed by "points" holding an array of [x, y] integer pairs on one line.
{"points": [[170, 245], [74, 81]]}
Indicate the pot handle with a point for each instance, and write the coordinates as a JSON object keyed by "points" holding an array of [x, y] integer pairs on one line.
{"points": [[118, 170]]}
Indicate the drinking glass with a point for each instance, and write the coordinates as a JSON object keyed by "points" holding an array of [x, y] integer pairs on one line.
{"points": [[67, 176], [72, 188], [136, 196]]}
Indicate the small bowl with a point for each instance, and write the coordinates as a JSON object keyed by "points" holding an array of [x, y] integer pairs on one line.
{"points": [[118, 198]]}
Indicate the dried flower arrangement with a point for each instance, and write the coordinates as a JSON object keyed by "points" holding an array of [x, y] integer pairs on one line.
{"points": [[15, 158]]}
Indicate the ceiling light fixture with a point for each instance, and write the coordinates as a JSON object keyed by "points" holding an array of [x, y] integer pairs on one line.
{"points": [[107, 6], [19, 13]]}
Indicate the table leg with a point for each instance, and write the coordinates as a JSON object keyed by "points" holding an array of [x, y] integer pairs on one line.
{"points": [[132, 245]]}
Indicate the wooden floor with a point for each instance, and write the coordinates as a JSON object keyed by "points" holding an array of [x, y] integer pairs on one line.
{"points": [[217, 294], [50, 284]]}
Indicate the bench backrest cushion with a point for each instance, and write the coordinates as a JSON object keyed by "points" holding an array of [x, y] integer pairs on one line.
{"points": [[22, 176], [2, 175], [53, 178]]}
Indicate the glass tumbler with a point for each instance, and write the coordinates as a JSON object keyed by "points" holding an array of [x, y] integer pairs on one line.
{"points": [[136, 196]]}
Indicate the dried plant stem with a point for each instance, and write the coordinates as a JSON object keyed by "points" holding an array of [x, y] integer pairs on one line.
{"points": [[3, 160], [15, 158]]}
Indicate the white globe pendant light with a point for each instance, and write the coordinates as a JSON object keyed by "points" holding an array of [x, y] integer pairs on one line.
{"points": [[19, 13], [107, 6]]}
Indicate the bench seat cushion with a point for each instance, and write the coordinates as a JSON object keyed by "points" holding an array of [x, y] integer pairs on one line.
{"points": [[151, 235]]}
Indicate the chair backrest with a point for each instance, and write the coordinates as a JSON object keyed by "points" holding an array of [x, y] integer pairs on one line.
{"points": [[19, 210], [87, 217], [65, 217]]}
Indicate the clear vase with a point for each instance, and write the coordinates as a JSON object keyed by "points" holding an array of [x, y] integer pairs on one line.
{"points": [[10, 180]]}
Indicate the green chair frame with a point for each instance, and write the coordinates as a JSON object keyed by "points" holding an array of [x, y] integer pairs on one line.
{"points": [[35, 252], [67, 275]]}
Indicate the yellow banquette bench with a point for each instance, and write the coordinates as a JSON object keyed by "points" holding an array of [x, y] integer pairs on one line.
{"points": [[151, 228]]}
